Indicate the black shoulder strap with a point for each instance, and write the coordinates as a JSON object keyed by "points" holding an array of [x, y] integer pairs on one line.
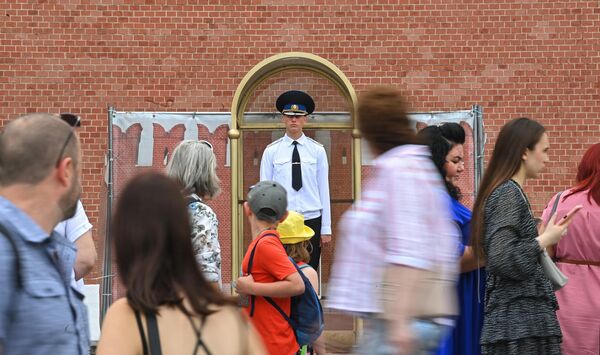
{"points": [[250, 262], [4, 231], [138, 320], [199, 342], [153, 335], [272, 302]]}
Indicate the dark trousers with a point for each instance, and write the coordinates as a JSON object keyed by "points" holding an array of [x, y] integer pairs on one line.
{"points": [[315, 241]]}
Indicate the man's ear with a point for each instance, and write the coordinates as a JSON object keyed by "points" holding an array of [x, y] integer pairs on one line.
{"points": [[64, 170]]}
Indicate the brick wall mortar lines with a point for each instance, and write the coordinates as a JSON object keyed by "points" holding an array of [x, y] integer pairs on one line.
{"points": [[537, 58]]}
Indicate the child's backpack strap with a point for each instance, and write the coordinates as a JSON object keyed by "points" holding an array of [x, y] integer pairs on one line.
{"points": [[250, 262], [272, 302]]}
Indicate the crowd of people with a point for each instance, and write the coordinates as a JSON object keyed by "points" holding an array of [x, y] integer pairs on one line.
{"points": [[425, 273]]}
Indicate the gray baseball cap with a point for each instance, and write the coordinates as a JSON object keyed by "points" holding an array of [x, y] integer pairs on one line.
{"points": [[268, 200]]}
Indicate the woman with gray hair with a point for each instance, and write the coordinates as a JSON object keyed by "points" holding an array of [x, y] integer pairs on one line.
{"points": [[194, 168]]}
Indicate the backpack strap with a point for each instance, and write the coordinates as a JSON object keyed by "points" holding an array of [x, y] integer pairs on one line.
{"points": [[138, 320], [250, 263], [153, 335], [272, 302]]}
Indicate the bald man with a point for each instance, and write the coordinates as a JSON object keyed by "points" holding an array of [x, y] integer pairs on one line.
{"points": [[39, 187]]}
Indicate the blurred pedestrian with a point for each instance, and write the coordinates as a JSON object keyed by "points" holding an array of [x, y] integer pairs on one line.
{"points": [[397, 259]]}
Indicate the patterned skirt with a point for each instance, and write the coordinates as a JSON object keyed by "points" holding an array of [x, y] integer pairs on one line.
{"points": [[529, 346]]}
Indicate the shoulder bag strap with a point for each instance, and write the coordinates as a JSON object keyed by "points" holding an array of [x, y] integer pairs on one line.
{"points": [[153, 335], [138, 320], [250, 263], [554, 206]]}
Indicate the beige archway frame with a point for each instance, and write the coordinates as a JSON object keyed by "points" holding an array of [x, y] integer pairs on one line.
{"points": [[262, 71]]}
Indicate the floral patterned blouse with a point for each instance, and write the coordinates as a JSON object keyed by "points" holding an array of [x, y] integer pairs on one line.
{"points": [[205, 238]]}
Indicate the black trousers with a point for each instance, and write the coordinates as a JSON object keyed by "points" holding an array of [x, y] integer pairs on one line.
{"points": [[315, 241]]}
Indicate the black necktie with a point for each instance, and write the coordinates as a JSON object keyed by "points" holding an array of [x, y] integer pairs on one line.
{"points": [[296, 168]]}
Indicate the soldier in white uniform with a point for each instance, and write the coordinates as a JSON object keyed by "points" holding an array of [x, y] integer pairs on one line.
{"points": [[299, 163]]}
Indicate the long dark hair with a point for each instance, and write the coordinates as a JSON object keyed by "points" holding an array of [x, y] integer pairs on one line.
{"points": [[588, 174], [513, 140], [151, 233], [441, 140]]}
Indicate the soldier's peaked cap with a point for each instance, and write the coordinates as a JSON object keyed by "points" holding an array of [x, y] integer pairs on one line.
{"points": [[295, 103]]}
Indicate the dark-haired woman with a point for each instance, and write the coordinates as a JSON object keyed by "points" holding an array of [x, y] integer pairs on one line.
{"points": [[165, 287], [520, 306], [446, 143]]}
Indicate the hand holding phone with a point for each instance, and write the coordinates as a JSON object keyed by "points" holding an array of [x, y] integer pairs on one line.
{"points": [[569, 216]]}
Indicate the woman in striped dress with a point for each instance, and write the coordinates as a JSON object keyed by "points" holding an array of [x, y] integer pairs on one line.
{"points": [[520, 306]]}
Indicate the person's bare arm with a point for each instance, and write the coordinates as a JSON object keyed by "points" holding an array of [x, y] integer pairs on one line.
{"points": [[86, 255], [288, 287], [469, 262], [313, 277]]}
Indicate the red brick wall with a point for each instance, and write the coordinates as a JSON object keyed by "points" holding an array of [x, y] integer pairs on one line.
{"points": [[515, 58]]}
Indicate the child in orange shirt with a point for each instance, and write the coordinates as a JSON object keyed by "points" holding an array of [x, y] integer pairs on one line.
{"points": [[271, 273]]}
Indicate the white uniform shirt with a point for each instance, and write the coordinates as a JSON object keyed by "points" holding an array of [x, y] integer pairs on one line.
{"points": [[72, 229], [312, 200]]}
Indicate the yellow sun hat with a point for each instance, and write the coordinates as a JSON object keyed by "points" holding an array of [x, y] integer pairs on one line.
{"points": [[292, 230]]}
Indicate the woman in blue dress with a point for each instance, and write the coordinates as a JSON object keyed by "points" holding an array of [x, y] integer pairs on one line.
{"points": [[447, 150]]}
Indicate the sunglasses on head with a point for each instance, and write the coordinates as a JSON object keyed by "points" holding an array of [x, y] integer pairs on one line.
{"points": [[71, 119], [74, 121], [207, 143]]}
